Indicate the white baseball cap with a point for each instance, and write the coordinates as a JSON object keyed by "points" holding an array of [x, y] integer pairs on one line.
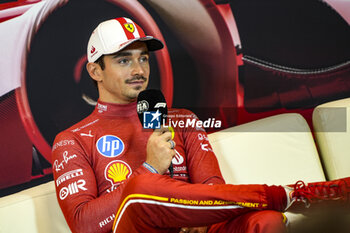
{"points": [[113, 35]]}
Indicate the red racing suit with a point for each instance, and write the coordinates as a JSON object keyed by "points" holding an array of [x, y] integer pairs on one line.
{"points": [[93, 159]]}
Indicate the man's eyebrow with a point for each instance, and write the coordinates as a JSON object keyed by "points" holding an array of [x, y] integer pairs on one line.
{"points": [[121, 54], [126, 54]]}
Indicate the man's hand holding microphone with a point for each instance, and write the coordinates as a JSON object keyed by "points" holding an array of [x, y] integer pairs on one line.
{"points": [[160, 150], [160, 146]]}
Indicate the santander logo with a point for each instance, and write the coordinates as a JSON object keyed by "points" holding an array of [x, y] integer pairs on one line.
{"points": [[92, 49]]}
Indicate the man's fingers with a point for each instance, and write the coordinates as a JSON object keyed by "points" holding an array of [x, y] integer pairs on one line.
{"points": [[172, 144], [166, 136], [161, 130], [193, 230]]}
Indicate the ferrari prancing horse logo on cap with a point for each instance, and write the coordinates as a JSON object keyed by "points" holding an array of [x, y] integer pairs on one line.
{"points": [[129, 27]]}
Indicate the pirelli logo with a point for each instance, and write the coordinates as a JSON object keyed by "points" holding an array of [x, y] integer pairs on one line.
{"points": [[68, 175]]}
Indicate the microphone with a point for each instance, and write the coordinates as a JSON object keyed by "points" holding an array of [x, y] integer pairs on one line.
{"points": [[152, 101]]}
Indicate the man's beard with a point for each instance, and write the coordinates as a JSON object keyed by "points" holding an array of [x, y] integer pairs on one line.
{"points": [[132, 95]]}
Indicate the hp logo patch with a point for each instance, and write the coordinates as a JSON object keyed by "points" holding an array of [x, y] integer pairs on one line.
{"points": [[110, 146]]}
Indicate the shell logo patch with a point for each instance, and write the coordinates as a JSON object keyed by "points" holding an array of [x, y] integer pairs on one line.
{"points": [[117, 171], [130, 27]]}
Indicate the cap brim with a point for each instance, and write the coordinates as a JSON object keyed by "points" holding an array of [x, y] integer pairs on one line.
{"points": [[152, 43]]}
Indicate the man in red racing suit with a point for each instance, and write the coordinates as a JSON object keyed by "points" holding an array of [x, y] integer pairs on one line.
{"points": [[108, 169]]}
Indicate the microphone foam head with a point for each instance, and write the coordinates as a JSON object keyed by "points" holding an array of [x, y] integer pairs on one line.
{"points": [[151, 108]]}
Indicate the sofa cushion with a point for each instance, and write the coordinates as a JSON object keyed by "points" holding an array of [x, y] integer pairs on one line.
{"points": [[275, 150]]}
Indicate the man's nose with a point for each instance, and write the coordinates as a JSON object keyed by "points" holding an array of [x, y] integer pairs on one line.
{"points": [[137, 69]]}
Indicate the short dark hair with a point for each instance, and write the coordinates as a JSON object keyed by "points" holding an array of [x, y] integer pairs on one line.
{"points": [[101, 63]]}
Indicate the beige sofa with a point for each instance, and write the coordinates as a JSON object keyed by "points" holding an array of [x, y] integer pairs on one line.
{"points": [[332, 130], [274, 150], [34, 210]]}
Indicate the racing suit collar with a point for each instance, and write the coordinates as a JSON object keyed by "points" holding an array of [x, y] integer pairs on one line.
{"points": [[111, 109]]}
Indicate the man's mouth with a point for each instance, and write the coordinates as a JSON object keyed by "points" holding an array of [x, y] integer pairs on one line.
{"points": [[136, 81]]}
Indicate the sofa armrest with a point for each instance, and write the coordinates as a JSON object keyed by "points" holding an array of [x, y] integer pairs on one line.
{"points": [[32, 211]]}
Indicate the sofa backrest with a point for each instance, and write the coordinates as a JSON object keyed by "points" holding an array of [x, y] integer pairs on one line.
{"points": [[274, 150], [332, 130]]}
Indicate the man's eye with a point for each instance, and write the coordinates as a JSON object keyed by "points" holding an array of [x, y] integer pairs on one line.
{"points": [[144, 59], [123, 61]]}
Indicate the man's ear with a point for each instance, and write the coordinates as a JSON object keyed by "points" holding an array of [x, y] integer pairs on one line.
{"points": [[94, 71]]}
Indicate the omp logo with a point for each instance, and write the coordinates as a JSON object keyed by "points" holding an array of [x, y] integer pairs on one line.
{"points": [[72, 188], [110, 146]]}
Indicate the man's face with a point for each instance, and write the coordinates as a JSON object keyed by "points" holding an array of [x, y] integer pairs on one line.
{"points": [[125, 75]]}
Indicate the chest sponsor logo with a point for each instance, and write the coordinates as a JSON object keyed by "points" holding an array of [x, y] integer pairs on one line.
{"points": [[116, 172], [72, 188], [178, 158], [180, 169], [69, 175], [110, 146], [59, 165]]}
